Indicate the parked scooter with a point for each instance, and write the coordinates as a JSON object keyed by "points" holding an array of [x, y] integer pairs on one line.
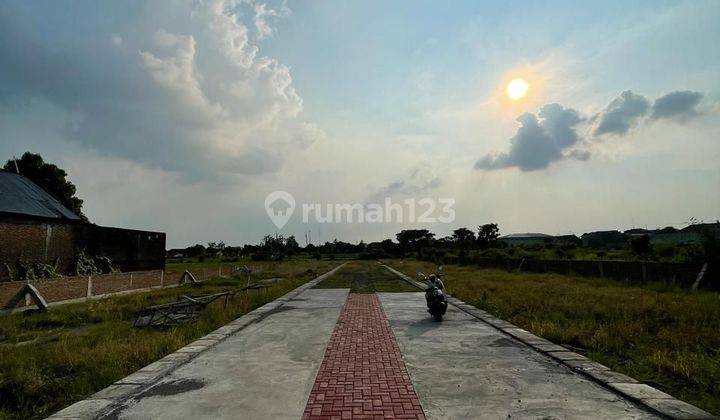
{"points": [[435, 296]]}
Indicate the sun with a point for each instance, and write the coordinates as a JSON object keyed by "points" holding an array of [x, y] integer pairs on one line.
{"points": [[517, 89]]}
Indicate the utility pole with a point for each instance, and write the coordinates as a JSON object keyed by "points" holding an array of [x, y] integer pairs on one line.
{"points": [[17, 169]]}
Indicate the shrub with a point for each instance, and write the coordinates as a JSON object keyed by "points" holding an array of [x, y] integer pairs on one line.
{"points": [[260, 256]]}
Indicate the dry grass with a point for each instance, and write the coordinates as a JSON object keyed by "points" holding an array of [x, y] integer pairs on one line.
{"points": [[50, 360], [666, 337]]}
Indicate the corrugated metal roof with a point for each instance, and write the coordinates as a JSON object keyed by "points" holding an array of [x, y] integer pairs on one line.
{"points": [[21, 196]]}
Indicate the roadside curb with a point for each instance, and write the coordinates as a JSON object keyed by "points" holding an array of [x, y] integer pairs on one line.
{"points": [[645, 395], [103, 402]]}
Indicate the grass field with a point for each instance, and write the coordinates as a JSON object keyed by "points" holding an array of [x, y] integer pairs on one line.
{"points": [[365, 277], [50, 360], [666, 337]]}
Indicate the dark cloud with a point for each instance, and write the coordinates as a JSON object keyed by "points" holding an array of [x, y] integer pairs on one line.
{"points": [[539, 141], [678, 105], [183, 99], [622, 114]]}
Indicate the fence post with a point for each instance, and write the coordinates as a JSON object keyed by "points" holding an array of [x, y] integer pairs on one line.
{"points": [[220, 271], [89, 286], [162, 278], [644, 271], [28, 298], [600, 266], [699, 277], [131, 278]]}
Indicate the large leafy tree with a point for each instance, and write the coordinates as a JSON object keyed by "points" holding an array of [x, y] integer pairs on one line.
{"points": [[414, 239], [488, 235], [48, 177], [463, 238]]}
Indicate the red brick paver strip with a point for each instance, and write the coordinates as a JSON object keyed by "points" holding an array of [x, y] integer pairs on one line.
{"points": [[362, 375]]}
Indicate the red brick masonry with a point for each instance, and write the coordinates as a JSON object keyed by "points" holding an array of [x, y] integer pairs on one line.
{"points": [[362, 375]]}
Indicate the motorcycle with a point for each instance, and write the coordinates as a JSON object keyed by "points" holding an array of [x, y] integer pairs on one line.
{"points": [[435, 296]]}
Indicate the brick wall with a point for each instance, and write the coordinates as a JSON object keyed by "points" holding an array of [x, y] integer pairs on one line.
{"points": [[66, 288], [51, 242]]}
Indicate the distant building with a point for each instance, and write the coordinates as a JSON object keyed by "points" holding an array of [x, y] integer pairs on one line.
{"points": [[35, 227], [692, 234], [526, 239], [669, 235], [676, 238], [604, 239]]}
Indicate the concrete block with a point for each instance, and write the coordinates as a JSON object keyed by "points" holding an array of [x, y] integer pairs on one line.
{"points": [[677, 409], [609, 376], [85, 409], [585, 365], [142, 377], [116, 392], [175, 358], [205, 342], [160, 365], [192, 349], [567, 355], [549, 347], [639, 391], [521, 334]]}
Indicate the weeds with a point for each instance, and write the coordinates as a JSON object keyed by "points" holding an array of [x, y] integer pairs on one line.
{"points": [[662, 335], [50, 360]]}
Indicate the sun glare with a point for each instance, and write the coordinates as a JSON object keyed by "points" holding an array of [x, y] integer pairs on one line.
{"points": [[517, 89]]}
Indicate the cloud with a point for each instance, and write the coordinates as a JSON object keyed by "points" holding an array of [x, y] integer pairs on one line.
{"points": [[540, 140], [622, 114], [262, 13], [187, 90], [416, 181], [679, 105]]}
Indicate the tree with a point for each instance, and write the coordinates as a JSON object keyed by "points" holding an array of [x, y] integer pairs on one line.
{"points": [[215, 248], [488, 235], [641, 246], [414, 239], [291, 245], [196, 250], [48, 177], [463, 239]]}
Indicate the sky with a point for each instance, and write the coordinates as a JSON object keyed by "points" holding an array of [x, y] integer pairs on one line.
{"points": [[182, 116]]}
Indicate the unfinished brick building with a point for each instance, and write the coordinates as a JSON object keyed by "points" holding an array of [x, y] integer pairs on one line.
{"points": [[36, 227]]}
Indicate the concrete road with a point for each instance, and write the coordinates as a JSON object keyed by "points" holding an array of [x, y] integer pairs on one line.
{"points": [[463, 368], [265, 371]]}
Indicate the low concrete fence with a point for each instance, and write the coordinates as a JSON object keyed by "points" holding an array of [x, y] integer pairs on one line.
{"points": [[74, 288], [683, 274]]}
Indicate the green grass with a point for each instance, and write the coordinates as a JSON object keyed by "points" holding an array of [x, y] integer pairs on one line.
{"points": [[660, 335], [365, 277], [50, 360]]}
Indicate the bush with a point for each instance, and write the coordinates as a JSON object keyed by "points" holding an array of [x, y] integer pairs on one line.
{"points": [[26, 270], [84, 265], [104, 264]]}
